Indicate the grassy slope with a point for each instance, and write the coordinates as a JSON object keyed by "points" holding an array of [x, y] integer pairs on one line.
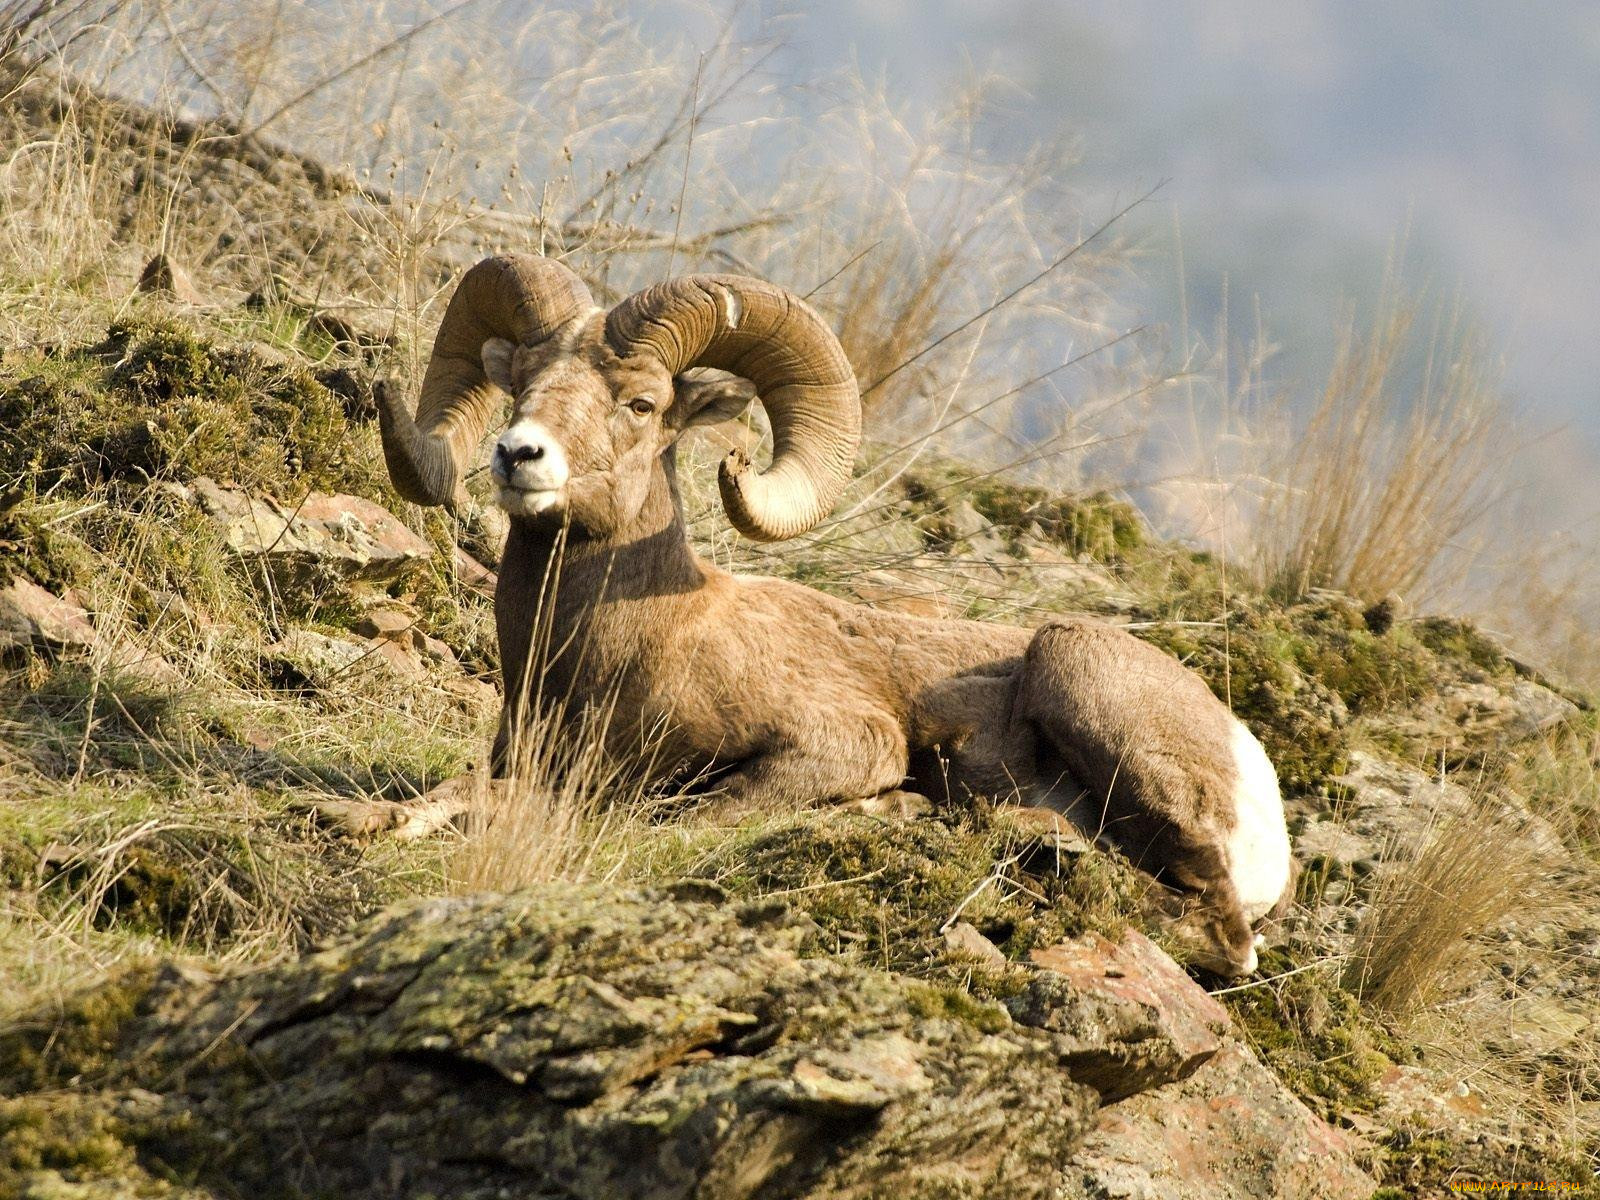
{"points": [[141, 818]]}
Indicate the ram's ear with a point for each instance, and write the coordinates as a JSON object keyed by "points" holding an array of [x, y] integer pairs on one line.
{"points": [[499, 357], [704, 397]]}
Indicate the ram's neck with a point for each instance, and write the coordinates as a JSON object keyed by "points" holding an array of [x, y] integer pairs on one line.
{"points": [[562, 589]]}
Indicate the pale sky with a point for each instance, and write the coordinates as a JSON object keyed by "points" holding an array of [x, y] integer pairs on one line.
{"points": [[1299, 139]]}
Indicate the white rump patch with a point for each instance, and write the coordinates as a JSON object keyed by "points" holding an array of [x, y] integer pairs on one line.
{"points": [[1258, 846]]}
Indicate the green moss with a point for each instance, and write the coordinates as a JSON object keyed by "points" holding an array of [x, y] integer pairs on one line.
{"points": [[953, 1004], [884, 890], [155, 400], [1462, 642], [77, 1041], [32, 547], [1316, 1035], [1300, 676], [1096, 526], [1418, 1160], [67, 1145], [59, 1137]]}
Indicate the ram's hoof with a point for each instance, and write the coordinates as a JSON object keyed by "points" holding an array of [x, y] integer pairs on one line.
{"points": [[368, 819], [893, 803]]}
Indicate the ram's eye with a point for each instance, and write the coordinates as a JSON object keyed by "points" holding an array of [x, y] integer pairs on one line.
{"points": [[642, 405]]}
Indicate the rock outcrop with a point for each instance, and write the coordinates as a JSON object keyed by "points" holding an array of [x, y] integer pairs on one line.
{"points": [[669, 1042], [32, 617], [348, 536], [1230, 1131]]}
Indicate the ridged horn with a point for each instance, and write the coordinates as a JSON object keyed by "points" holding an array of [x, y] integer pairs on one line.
{"points": [[524, 298], [777, 341]]}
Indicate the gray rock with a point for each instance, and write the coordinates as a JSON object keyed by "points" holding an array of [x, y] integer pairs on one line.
{"points": [[1477, 714], [1391, 807], [347, 536]]}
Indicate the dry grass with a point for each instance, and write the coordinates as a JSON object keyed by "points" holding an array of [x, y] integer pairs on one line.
{"points": [[566, 810], [1474, 870], [1395, 467], [959, 278], [629, 156]]}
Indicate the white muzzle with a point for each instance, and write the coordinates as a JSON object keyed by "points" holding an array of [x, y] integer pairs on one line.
{"points": [[531, 469]]}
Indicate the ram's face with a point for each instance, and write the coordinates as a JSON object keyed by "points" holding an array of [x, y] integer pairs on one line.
{"points": [[585, 431]]}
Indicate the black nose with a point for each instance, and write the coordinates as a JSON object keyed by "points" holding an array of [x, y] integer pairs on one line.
{"points": [[520, 455]]}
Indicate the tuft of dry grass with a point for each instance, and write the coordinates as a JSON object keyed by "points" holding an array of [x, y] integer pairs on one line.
{"points": [[1475, 869], [1397, 463], [563, 812]]}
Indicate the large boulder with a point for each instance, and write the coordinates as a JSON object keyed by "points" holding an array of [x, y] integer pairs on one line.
{"points": [[662, 1043]]}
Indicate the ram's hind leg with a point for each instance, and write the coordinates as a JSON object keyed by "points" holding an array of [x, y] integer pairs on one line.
{"points": [[1152, 747], [970, 746]]}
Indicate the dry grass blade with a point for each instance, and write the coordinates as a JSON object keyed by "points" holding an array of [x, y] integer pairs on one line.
{"points": [[1055, 265], [1475, 869]]}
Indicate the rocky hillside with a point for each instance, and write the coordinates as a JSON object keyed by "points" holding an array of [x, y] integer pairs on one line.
{"points": [[232, 660]]}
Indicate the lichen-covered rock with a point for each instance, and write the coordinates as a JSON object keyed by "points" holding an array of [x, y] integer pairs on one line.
{"points": [[666, 1043], [1476, 714], [1390, 809], [1231, 1131], [1133, 1018]]}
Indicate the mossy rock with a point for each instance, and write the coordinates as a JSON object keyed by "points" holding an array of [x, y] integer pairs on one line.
{"points": [[884, 889], [1095, 526], [31, 547], [1463, 643], [640, 1045], [1302, 677], [155, 400]]}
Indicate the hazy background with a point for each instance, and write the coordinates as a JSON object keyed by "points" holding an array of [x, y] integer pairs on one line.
{"points": [[917, 167], [1298, 142]]}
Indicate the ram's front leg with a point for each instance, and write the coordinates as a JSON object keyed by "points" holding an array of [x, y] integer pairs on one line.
{"points": [[826, 759]]}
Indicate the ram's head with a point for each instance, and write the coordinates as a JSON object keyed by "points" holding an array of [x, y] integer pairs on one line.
{"points": [[597, 396]]}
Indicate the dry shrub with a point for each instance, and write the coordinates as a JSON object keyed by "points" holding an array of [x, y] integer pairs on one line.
{"points": [[1395, 466], [956, 272], [1541, 595], [1475, 869]]}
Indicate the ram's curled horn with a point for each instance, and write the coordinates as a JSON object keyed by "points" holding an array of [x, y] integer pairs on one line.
{"points": [[523, 298], [777, 341]]}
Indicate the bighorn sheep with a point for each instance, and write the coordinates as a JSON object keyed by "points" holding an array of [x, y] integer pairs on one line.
{"points": [[776, 692]]}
